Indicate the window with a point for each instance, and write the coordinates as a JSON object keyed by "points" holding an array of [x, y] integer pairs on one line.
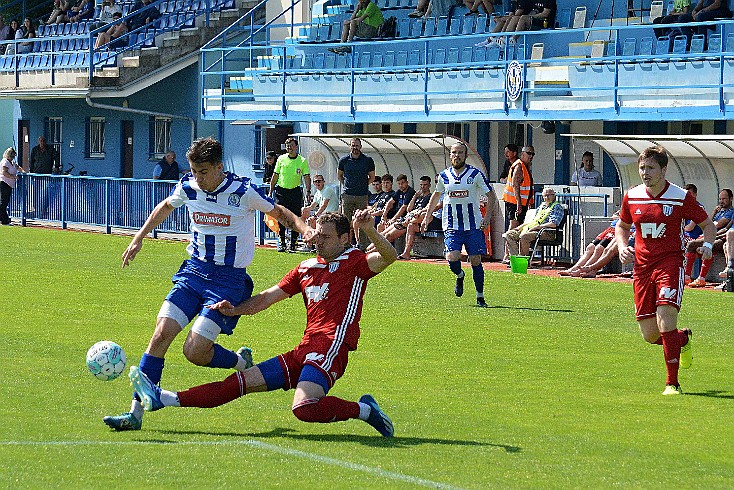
{"points": [[54, 135], [95, 137], [160, 137]]}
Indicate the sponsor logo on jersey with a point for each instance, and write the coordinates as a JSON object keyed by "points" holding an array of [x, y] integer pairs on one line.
{"points": [[667, 209], [652, 230], [234, 200], [668, 293], [316, 293], [314, 357], [212, 219], [459, 194]]}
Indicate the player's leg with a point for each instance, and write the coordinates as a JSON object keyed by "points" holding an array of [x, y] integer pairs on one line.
{"points": [[476, 246], [452, 248]]}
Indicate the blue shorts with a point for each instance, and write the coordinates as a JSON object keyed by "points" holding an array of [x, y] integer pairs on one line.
{"points": [[197, 284], [472, 240]]}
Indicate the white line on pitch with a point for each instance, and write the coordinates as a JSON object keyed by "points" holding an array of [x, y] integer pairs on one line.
{"points": [[258, 444]]}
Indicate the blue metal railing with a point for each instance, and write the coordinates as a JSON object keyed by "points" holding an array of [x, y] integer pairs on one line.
{"points": [[106, 203], [220, 62]]}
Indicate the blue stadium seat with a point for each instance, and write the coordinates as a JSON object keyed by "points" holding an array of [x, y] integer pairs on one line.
{"points": [[67, 29], [404, 27], [714, 45], [439, 56], [228, 4], [376, 60], [430, 27], [467, 27], [74, 29], [663, 45], [646, 46], [563, 19], [492, 54], [480, 54], [480, 26], [628, 48], [388, 59], [323, 32], [679, 44], [318, 61], [341, 61], [65, 60], [364, 60], [442, 26], [330, 61], [730, 43], [697, 43], [308, 61], [467, 54], [416, 27], [452, 56], [401, 58], [454, 25], [611, 48], [415, 57]]}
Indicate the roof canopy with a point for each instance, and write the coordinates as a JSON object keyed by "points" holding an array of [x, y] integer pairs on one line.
{"points": [[704, 160], [411, 154]]}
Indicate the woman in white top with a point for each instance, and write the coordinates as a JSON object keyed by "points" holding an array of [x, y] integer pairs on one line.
{"points": [[8, 178]]}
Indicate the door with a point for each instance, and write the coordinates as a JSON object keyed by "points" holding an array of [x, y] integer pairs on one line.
{"points": [[275, 137], [126, 152], [24, 150]]}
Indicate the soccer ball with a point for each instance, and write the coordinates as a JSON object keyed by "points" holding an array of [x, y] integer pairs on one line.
{"points": [[106, 360]]}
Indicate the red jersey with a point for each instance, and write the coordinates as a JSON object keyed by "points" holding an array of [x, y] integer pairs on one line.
{"points": [[332, 292], [659, 222]]}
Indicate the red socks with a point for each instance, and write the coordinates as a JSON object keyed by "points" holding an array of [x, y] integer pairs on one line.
{"points": [[214, 394], [671, 350], [327, 409], [705, 266]]}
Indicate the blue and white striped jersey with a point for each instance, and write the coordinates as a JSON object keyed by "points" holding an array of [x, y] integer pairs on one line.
{"points": [[223, 221], [461, 195]]}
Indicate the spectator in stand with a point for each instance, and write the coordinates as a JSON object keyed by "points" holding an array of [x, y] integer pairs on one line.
{"points": [[679, 8], [60, 9], [414, 212], [26, 31], [508, 23], [109, 37], [106, 15], [6, 34], [364, 23], [269, 166], [81, 11], [542, 16], [473, 6], [397, 206], [548, 215], [722, 216], [167, 168], [586, 175], [510, 158], [14, 28], [145, 14], [705, 10]]}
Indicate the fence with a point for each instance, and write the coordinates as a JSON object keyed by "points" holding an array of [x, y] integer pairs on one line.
{"points": [[103, 202]]}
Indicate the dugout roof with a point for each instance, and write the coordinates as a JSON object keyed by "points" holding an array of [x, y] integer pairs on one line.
{"points": [[411, 154], [704, 160]]}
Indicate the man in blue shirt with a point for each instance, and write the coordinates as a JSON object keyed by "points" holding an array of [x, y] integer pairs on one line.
{"points": [[356, 171]]}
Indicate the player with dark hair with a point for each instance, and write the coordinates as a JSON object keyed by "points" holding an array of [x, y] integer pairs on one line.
{"points": [[461, 186], [332, 286], [658, 210], [222, 210]]}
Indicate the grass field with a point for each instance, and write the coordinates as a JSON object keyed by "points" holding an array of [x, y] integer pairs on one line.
{"points": [[552, 387]]}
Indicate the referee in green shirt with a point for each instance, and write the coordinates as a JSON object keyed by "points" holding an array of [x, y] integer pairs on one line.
{"points": [[285, 185]]}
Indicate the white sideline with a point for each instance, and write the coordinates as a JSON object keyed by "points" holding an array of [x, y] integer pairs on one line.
{"points": [[257, 444]]}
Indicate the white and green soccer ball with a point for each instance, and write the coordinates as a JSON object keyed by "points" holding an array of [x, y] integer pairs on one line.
{"points": [[106, 360]]}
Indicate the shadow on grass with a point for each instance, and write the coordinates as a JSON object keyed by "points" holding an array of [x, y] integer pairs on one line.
{"points": [[713, 394], [374, 441], [550, 310]]}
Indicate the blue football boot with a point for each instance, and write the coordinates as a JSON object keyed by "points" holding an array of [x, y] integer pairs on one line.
{"points": [[150, 394], [378, 419]]}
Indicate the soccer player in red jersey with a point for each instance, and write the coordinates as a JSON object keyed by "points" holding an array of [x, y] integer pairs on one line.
{"points": [[332, 285], [658, 209]]}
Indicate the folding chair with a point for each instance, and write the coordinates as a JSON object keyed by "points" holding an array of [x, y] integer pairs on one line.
{"points": [[554, 237]]}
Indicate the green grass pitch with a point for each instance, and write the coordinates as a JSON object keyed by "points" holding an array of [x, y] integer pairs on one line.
{"points": [[552, 387]]}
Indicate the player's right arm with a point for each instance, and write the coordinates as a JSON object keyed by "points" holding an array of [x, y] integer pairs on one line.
{"points": [[252, 305], [158, 216]]}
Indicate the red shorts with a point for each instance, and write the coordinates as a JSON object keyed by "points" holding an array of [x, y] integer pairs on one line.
{"points": [[318, 352], [606, 235], [661, 285]]}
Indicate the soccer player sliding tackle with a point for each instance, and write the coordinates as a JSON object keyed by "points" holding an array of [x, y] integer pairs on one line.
{"points": [[332, 286]]}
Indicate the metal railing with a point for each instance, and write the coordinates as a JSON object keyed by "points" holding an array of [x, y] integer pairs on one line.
{"points": [[106, 203]]}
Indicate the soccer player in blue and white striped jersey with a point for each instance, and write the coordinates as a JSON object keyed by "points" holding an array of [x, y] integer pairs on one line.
{"points": [[463, 225], [222, 209]]}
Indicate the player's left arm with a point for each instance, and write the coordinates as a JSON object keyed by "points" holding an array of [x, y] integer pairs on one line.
{"points": [[290, 220], [384, 254], [252, 305]]}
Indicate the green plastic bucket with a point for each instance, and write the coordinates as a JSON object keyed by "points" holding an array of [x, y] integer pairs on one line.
{"points": [[519, 263]]}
